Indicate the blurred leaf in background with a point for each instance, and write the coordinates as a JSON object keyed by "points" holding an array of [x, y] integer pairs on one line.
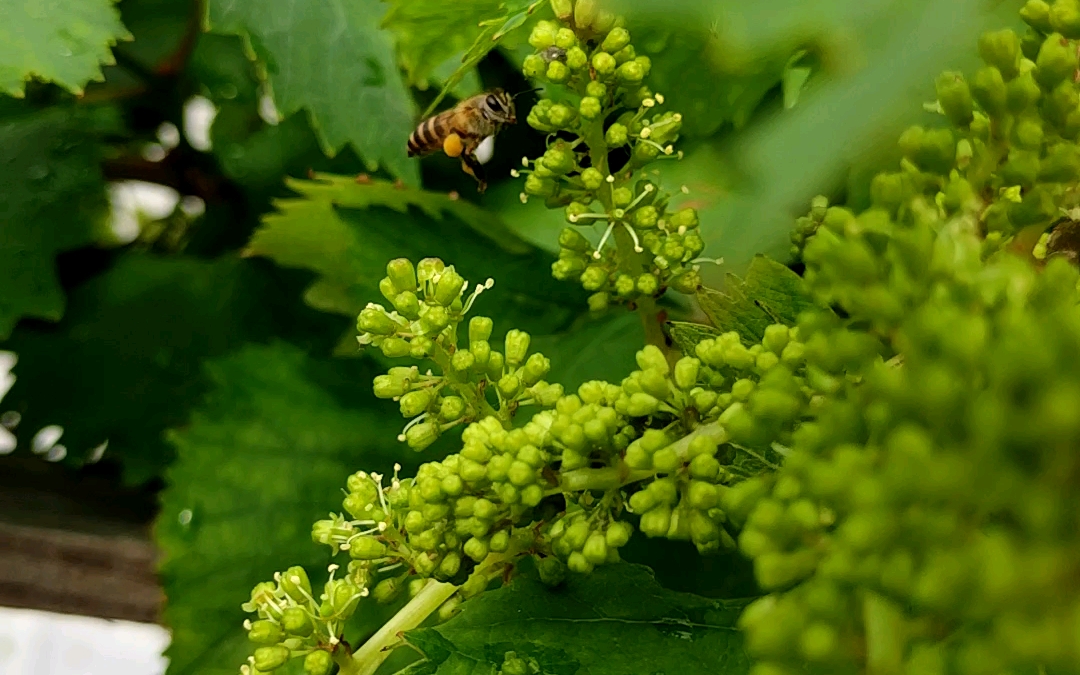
{"points": [[878, 61], [266, 454], [126, 361], [61, 41], [54, 201], [332, 60]]}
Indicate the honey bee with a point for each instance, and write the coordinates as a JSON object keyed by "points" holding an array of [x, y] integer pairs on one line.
{"points": [[461, 130]]}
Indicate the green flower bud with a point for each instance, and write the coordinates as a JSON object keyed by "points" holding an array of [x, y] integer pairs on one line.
{"points": [[1001, 49], [387, 386], [702, 496], [415, 402], [543, 35], [552, 570], [625, 54], [656, 521], [616, 135], [561, 115], [645, 217], [265, 632], [687, 218], [559, 159], [622, 196], [666, 460], [1056, 61], [366, 548], [573, 210], [386, 591], [480, 350], [686, 372], [565, 38], [510, 386], [596, 90], [420, 436], [402, 274], [433, 318], [480, 328], [452, 485], [564, 9], [615, 40], [594, 278], [557, 72], [688, 282], [577, 59], [630, 73], [536, 368], [295, 583], [495, 365], [462, 361], [539, 187], [517, 347], [448, 287], [1028, 134], [1036, 13], [595, 549], [625, 286], [592, 178], [296, 622], [642, 405], [955, 97], [989, 90], [1022, 93], [651, 358], [270, 658], [428, 268], [704, 467], [1065, 18], [534, 66], [452, 408], [449, 566], [603, 63], [647, 284], [590, 108], [376, 322]]}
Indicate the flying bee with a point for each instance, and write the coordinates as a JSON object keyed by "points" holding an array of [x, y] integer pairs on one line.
{"points": [[463, 129]]}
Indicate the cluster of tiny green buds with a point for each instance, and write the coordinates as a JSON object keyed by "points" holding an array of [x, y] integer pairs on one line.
{"points": [[476, 379], [645, 247], [292, 623]]}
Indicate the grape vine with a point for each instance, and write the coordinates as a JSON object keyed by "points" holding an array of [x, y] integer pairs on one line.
{"points": [[899, 463]]}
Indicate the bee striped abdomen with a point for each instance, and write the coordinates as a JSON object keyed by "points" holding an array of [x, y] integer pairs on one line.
{"points": [[428, 137]]}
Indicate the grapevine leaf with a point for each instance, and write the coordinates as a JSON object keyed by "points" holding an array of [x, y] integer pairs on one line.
{"points": [[733, 310], [780, 292], [264, 456], [593, 350], [616, 621], [877, 67], [124, 364], [331, 59], [687, 335], [431, 32], [61, 41], [768, 293], [54, 198], [514, 14], [347, 232]]}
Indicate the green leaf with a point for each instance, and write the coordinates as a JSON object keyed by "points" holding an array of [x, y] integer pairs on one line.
{"points": [[687, 335], [125, 362], [878, 66], [768, 293], [431, 32], [332, 60], [513, 15], [61, 41], [265, 456], [347, 232], [593, 349], [54, 201], [615, 621]]}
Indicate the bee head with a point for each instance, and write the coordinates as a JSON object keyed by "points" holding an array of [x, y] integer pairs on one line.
{"points": [[500, 107]]}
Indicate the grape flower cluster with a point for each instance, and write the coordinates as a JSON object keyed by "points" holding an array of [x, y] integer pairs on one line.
{"points": [[600, 138]]}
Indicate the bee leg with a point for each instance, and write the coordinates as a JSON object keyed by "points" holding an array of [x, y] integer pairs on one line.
{"points": [[474, 168]]}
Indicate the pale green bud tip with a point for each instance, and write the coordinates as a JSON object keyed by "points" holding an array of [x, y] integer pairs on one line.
{"points": [[420, 436], [265, 632], [428, 268], [270, 658], [516, 347], [480, 328], [318, 663]]}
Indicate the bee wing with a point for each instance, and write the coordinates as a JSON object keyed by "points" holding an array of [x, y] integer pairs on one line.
{"points": [[485, 150]]}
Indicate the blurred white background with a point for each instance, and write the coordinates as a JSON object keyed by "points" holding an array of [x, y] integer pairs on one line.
{"points": [[43, 643]]}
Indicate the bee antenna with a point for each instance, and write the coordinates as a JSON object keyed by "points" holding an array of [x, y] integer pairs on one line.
{"points": [[527, 91]]}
